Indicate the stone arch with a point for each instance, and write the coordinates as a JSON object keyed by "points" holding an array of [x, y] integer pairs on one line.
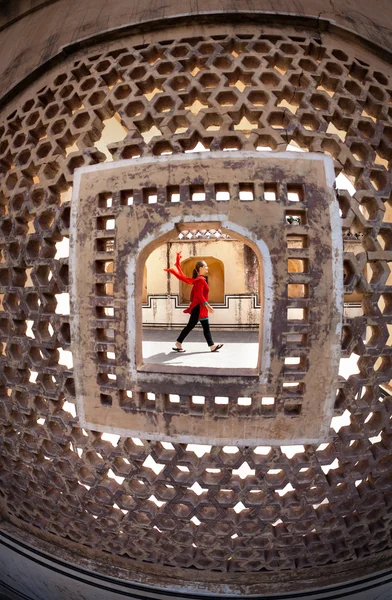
{"points": [[164, 233]]}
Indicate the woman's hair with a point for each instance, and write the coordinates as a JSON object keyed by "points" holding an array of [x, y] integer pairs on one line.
{"points": [[200, 263]]}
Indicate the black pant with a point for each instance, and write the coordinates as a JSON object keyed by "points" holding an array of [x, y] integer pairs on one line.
{"points": [[193, 319]]}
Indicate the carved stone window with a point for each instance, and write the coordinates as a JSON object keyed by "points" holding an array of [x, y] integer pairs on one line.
{"points": [[283, 207]]}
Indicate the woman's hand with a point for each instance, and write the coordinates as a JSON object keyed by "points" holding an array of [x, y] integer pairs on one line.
{"points": [[210, 309]]}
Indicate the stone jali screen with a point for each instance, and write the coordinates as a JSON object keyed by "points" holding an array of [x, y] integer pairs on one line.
{"points": [[210, 507]]}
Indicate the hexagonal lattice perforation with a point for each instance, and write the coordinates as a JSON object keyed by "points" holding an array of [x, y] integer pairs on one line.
{"points": [[319, 506]]}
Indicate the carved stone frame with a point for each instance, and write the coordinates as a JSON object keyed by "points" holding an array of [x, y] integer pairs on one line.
{"points": [[141, 226]]}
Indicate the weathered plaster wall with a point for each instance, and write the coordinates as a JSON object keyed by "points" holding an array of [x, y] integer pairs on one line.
{"points": [[32, 31], [230, 253], [238, 309]]}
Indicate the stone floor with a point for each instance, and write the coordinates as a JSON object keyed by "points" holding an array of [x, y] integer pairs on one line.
{"points": [[240, 349]]}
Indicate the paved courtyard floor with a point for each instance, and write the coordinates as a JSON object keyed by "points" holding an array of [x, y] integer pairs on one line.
{"points": [[240, 349]]}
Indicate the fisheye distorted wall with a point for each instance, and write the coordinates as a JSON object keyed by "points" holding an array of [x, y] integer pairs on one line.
{"points": [[239, 511]]}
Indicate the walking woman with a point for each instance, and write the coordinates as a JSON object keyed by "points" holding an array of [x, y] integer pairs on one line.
{"points": [[199, 307]]}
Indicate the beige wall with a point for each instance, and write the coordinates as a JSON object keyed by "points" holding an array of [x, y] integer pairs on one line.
{"points": [[231, 253], [216, 278], [238, 309]]}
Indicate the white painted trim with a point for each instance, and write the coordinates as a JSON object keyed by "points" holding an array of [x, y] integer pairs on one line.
{"points": [[74, 304], [338, 288]]}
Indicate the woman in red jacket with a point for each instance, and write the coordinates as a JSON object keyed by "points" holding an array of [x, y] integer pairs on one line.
{"points": [[199, 307]]}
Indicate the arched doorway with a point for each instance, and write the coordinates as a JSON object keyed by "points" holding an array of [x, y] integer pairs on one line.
{"points": [[237, 301]]}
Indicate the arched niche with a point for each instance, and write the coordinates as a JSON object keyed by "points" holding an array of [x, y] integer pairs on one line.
{"points": [[216, 279]]}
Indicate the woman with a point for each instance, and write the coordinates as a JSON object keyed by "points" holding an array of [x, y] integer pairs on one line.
{"points": [[199, 307]]}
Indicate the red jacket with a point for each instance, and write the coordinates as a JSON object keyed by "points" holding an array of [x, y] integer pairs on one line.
{"points": [[199, 292]]}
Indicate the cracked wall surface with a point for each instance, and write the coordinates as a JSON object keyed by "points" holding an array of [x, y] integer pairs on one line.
{"points": [[239, 512], [307, 328]]}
